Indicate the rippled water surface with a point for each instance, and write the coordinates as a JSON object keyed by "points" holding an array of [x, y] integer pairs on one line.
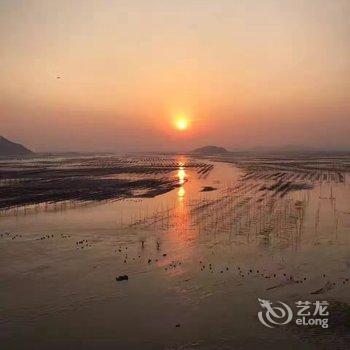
{"points": [[197, 262]]}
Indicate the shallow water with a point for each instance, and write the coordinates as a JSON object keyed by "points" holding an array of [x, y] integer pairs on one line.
{"points": [[199, 260]]}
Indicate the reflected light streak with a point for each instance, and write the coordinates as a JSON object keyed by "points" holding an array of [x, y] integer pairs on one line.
{"points": [[181, 193], [181, 174]]}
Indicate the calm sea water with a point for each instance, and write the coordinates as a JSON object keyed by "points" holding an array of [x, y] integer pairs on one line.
{"points": [[197, 263]]}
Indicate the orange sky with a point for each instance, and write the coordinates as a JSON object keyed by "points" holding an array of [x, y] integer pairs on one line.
{"points": [[246, 73]]}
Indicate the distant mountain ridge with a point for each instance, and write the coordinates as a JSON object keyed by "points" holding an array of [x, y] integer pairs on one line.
{"points": [[9, 148], [210, 150]]}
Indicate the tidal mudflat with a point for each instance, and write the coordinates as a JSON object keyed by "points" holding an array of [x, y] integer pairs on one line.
{"points": [[172, 252]]}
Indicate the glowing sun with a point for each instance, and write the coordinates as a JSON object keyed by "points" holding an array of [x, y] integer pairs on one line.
{"points": [[181, 123]]}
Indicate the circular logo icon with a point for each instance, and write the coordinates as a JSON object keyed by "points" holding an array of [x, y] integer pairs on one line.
{"points": [[272, 315]]}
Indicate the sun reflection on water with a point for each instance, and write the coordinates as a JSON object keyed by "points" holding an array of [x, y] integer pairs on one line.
{"points": [[179, 234], [181, 192], [181, 175]]}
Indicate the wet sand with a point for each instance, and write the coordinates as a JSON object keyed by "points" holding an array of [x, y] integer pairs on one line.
{"points": [[196, 262]]}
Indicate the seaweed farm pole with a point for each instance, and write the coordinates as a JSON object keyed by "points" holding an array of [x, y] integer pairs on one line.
{"points": [[168, 214], [162, 211], [259, 218], [336, 226], [317, 218]]}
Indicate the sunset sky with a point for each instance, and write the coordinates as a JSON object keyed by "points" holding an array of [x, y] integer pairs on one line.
{"points": [[116, 75]]}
